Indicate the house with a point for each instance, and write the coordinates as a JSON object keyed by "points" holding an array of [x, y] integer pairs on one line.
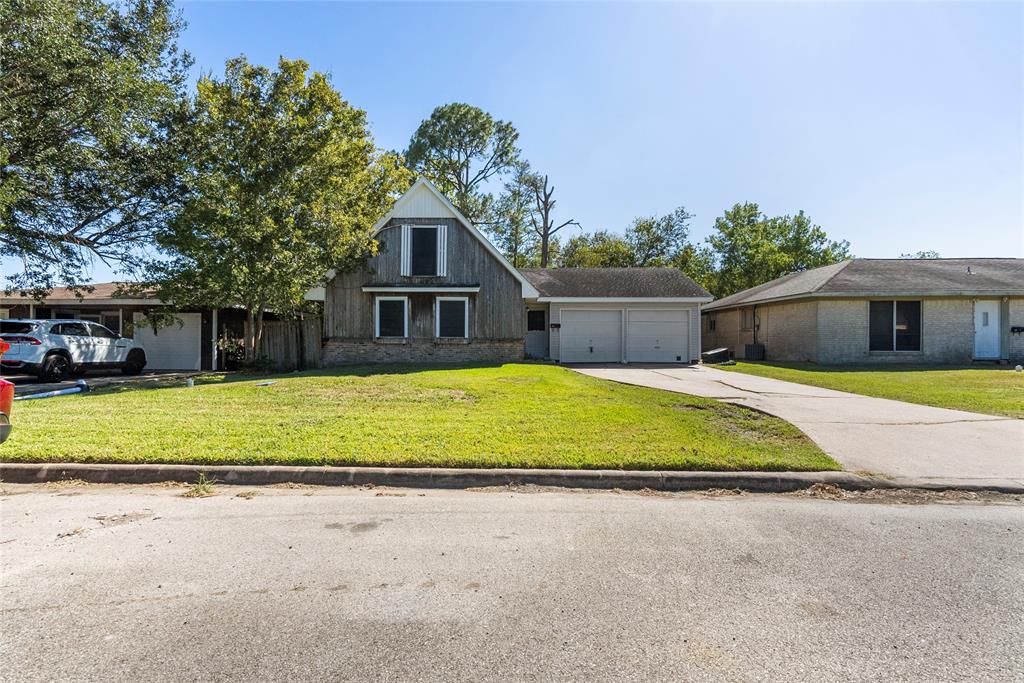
{"points": [[878, 311], [439, 291], [189, 345]]}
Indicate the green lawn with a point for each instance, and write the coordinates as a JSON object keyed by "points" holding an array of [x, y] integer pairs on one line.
{"points": [[517, 415], [991, 390]]}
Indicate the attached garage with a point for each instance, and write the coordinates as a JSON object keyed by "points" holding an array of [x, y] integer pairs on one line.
{"points": [[174, 347], [659, 335], [591, 336], [620, 315]]}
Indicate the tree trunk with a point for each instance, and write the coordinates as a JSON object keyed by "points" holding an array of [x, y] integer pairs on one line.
{"points": [[258, 335], [250, 333], [544, 250]]}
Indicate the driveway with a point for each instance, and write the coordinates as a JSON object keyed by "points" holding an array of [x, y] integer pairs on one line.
{"points": [[863, 433]]}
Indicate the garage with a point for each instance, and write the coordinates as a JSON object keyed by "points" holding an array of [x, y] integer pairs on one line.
{"points": [[591, 336], [174, 347], [657, 335]]}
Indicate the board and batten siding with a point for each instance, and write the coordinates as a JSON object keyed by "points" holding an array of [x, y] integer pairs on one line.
{"points": [[555, 314], [496, 312]]}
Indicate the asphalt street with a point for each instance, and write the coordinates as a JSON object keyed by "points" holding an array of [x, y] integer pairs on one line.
{"points": [[139, 583]]}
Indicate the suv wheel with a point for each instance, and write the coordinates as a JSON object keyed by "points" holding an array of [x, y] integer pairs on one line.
{"points": [[134, 364], [56, 368]]}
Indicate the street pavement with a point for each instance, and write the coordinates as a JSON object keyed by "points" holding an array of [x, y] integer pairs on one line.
{"points": [[863, 433], [120, 583]]}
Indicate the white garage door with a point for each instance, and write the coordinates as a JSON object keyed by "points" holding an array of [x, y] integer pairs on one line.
{"points": [[657, 336], [172, 347], [590, 336]]}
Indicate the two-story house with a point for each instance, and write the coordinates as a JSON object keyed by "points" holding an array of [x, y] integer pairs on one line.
{"points": [[439, 291]]}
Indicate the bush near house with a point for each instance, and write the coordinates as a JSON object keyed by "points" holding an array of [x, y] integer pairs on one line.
{"points": [[515, 415]]}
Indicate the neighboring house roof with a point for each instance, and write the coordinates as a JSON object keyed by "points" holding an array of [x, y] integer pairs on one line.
{"points": [[413, 199], [617, 283], [890, 277], [101, 292]]}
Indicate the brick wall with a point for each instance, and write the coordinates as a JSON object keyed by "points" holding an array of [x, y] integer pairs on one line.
{"points": [[789, 331], [727, 332], [1016, 341], [358, 351], [947, 333]]}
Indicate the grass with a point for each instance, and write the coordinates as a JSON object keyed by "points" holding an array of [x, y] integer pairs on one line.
{"points": [[203, 488], [516, 415], [990, 390]]}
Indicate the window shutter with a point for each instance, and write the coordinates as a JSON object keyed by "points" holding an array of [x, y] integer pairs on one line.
{"points": [[405, 255], [442, 250]]}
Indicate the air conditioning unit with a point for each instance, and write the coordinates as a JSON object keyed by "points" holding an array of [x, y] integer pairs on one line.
{"points": [[753, 351]]}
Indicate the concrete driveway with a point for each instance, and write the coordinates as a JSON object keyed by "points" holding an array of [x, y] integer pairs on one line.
{"points": [[865, 434]]}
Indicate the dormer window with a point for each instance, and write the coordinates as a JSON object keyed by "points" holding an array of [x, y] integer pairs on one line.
{"points": [[424, 250]]}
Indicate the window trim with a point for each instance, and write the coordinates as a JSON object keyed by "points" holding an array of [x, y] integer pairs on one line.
{"points": [[920, 326], [376, 316], [437, 315]]}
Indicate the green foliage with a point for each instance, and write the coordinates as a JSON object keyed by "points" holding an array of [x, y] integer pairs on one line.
{"points": [[599, 249], [285, 184], [460, 148], [654, 240], [926, 254], [751, 248], [511, 229], [90, 94]]}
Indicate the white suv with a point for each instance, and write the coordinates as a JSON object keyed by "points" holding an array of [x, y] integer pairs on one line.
{"points": [[56, 349]]}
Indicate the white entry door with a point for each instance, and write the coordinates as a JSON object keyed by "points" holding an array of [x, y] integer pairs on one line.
{"points": [[658, 336], [986, 329], [590, 336]]}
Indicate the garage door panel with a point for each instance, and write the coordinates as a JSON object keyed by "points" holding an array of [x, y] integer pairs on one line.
{"points": [[590, 336], [173, 347], [658, 336]]}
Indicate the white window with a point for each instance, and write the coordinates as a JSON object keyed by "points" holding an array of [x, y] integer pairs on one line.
{"points": [[451, 317], [391, 316], [424, 251]]}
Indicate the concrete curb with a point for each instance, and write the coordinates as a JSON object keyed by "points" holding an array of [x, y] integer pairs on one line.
{"points": [[455, 478]]}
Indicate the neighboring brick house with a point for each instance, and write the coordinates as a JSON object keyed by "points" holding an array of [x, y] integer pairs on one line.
{"points": [[439, 291], [878, 310]]}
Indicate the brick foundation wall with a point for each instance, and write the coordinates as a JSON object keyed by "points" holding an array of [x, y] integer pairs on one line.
{"points": [[359, 351]]}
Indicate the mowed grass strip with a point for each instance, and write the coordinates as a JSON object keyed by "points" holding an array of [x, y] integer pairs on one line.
{"points": [[515, 415], [991, 390]]}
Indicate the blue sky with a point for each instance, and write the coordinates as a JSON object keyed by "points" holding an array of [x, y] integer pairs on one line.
{"points": [[899, 127]]}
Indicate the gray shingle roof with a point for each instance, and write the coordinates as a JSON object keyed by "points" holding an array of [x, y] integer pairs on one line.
{"points": [[612, 282], [891, 277]]}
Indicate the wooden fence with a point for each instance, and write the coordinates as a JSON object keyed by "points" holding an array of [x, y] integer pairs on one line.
{"points": [[292, 344]]}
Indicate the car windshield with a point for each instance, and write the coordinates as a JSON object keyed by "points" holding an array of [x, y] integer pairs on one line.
{"points": [[13, 327]]}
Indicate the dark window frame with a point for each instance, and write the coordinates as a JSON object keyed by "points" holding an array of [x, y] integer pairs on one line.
{"points": [[404, 300], [418, 261], [438, 305], [895, 325], [543, 320]]}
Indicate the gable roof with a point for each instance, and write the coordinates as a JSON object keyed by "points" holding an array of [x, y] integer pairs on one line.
{"points": [[890, 277], [413, 197], [625, 283]]}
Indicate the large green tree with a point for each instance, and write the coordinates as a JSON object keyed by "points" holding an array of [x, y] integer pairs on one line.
{"points": [[285, 184], [511, 227], [751, 248], [600, 249], [460, 148], [90, 94]]}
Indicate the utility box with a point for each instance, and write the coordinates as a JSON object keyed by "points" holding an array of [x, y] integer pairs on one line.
{"points": [[753, 351]]}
